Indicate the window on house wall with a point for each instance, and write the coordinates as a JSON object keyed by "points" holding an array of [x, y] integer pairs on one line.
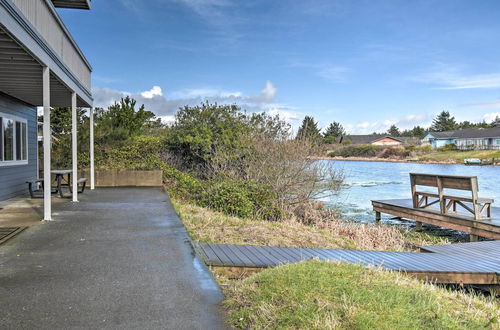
{"points": [[13, 140]]}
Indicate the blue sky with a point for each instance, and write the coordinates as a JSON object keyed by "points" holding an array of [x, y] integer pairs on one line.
{"points": [[366, 64]]}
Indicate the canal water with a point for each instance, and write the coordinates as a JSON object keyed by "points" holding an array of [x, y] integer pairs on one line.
{"points": [[365, 181]]}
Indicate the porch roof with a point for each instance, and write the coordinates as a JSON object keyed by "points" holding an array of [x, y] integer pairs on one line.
{"points": [[21, 76]]}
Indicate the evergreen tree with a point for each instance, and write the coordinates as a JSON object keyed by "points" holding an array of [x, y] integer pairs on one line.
{"points": [[122, 120], [444, 122], [334, 131], [393, 131], [495, 122], [418, 131], [309, 129]]}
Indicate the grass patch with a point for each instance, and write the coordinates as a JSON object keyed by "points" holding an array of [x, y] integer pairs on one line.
{"points": [[209, 226], [459, 156], [324, 295]]}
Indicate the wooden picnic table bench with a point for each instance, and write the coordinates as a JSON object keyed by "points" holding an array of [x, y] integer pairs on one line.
{"points": [[60, 181], [479, 207]]}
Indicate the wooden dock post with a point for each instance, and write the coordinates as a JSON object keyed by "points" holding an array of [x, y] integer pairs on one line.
{"points": [[418, 226], [377, 217]]}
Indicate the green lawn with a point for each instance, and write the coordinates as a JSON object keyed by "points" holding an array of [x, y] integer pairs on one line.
{"points": [[459, 156], [324, 295]]}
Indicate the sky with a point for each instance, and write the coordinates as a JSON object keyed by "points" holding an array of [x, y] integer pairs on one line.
{"points": [[366, 64]]}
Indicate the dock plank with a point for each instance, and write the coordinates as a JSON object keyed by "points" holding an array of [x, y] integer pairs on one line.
{"points": [[489, 228]]}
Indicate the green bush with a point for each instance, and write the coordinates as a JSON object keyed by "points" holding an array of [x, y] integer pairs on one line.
{"points": [[181, 185], [227, 197], [355, 151], [141, 153], [448, 147], [241, 199]]}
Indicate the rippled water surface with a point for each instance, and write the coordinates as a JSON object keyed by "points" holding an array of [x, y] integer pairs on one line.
{"points": [[365, 181]]}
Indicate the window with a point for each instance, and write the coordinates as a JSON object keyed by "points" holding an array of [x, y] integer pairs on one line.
{"points": [[13, 140]]}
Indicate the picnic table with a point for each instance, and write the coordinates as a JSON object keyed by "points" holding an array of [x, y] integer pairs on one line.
{"points": [[61, 181], [66, 182]]}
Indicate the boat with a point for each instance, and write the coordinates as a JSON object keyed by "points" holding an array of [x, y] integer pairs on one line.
{"points": [[473, 161]]}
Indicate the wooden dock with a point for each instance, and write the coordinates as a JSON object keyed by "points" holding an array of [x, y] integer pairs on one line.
{"points": [[403, 208], [444, 265]]}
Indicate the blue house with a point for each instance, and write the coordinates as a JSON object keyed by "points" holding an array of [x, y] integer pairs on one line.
{"points": [[466, 139], [440, 139]]}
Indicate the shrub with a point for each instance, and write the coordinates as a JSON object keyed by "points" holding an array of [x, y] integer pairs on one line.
{"points": [[241, 199], [392, 152], [355, 151], [228, 197], [448, 147], [181, 185], [422, 149], [140, 153]]}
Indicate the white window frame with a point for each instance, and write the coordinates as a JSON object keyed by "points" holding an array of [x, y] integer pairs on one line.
{"points": [[15, 161]]}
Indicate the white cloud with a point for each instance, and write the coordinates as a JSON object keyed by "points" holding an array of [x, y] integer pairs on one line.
{"points": [[155, 91], [269, 92], [476, 81], [204, 93], [484, 105], [155, 100], [489, 117], [327, 71], [406, 122], [284, 112], [167, 119], [446, 77]]}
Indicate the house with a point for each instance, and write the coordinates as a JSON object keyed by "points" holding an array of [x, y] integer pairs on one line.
{"points": [[377, 140], [40, 65], [466, 139]]}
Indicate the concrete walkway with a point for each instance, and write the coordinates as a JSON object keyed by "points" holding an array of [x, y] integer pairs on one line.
{"points": [[118, 259]]}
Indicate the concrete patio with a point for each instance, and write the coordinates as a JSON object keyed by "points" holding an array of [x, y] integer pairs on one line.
{"points": [[118, 259]]}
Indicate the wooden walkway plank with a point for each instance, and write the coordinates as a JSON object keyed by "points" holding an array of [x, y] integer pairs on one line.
{"points": [[282, 254], [288, 252], [242, 256], [231, 255], [450, 262], [262, 259], [220, 254], [208, 254], [254, 260]]}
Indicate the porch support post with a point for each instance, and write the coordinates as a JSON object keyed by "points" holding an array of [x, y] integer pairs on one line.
{"points": [[92, 183], [47, 137], [74, 138]]}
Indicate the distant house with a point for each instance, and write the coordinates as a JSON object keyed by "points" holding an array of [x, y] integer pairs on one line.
{"points": [[466, 139], [377, 140]]}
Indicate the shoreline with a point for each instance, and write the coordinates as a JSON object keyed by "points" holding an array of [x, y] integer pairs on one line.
{"points": [[386, 160]]}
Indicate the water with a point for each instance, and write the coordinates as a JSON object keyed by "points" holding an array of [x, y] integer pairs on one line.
{"points": [[365, 181]]}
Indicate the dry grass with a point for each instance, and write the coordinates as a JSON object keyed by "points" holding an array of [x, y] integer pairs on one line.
{"points": [[214, 227]]}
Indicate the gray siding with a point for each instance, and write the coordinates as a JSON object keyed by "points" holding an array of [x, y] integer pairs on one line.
{"points": [[47, 22], [13, 178]]}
